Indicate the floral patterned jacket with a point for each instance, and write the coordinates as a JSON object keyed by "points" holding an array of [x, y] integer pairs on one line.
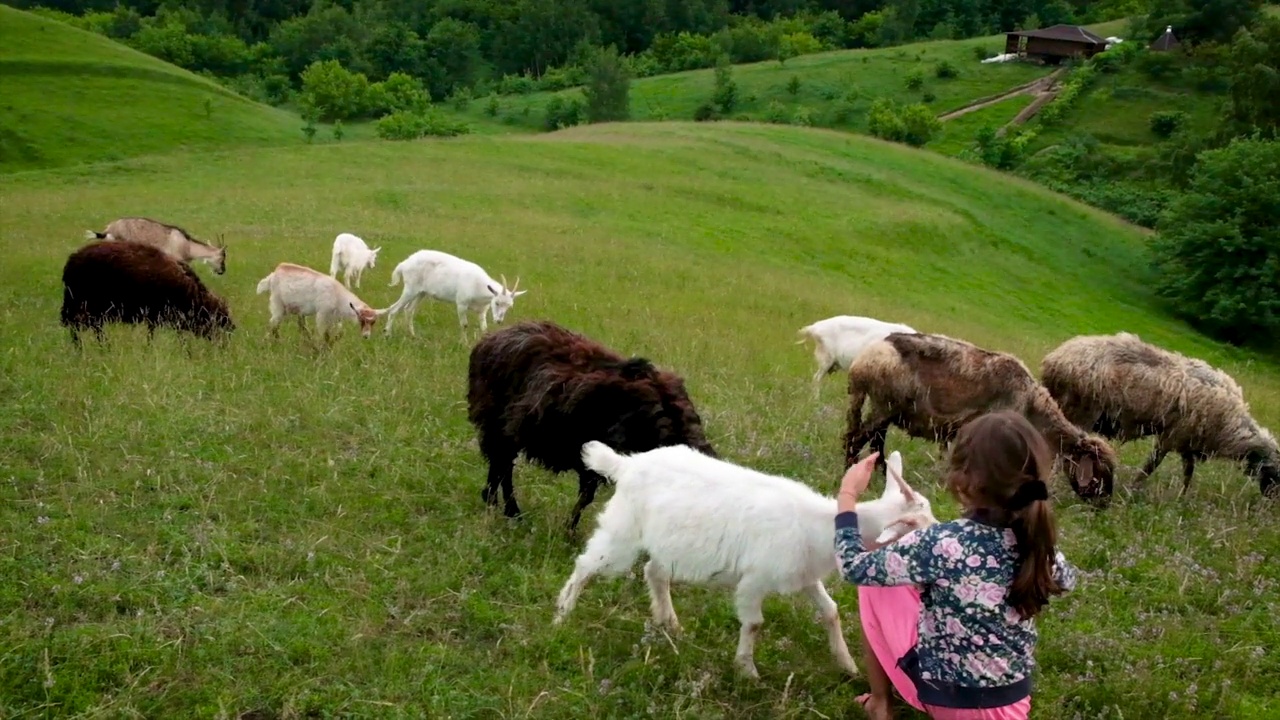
{"points": [[974, 650]]}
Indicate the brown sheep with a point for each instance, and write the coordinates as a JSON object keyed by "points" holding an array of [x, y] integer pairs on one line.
{"points": [[544, 390], [1127, 389], [931, 385], [132, 283]]}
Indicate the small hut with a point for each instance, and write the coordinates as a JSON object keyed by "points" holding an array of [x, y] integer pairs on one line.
{"points": [[1054, 44], [1165, 42]]}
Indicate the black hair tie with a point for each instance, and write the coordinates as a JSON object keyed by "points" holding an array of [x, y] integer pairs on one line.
{"points": [[1028, 493]]}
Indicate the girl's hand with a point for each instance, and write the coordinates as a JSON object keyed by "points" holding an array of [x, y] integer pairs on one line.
{"points": [[856, 479]]}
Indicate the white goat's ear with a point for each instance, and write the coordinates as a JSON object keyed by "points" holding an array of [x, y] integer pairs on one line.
{"points": [[495, 292], [894, 468], [353, 309]]}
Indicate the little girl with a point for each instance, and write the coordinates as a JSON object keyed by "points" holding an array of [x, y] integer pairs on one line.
{"points": [[947, 610]]}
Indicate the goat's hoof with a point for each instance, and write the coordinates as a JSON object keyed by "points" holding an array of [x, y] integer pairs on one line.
{"points": [[748, 668]]}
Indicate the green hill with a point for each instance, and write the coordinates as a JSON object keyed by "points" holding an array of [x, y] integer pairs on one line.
{"points": [[835, 89], [260, 530], [72, 96]]}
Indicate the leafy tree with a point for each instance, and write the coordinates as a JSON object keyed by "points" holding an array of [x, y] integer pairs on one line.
{"points": [[1218, 248], [454, 50], [1255, 78], [333, 91], [608, 87], [1201, 20], [725, 96]]}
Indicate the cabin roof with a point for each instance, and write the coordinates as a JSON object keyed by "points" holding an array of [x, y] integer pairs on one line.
{"points": [[1068, 33]]}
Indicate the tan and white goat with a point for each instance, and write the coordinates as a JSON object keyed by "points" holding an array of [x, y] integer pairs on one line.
{"points": [[301, 291], [178, 243]]}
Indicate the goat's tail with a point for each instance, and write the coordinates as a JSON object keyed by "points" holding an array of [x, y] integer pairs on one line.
{"points": [[602, 459], [805, 333], [95, 235], [265, 283], [395, 277]]}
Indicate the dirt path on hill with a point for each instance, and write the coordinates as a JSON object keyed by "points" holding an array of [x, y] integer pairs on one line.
{"points": [[1043, 88]]}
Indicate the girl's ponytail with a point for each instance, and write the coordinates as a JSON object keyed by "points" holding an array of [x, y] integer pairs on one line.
{"points": [[1034, 528], [999, 464]]}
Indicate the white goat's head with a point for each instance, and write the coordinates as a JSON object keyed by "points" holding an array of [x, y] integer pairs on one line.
{"points": [[503, 298], [372, 258], [898, 511]]}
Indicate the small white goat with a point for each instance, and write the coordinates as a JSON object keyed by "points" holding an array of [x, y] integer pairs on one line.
{"points": [[707, 521], [352, 256], [448, 278], [838, 340], [301, 291]]}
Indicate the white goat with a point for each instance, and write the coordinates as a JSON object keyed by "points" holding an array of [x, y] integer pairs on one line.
{"points": [[448, 278], [352, 256], [711, 522], [838, 340], [301, 291]]}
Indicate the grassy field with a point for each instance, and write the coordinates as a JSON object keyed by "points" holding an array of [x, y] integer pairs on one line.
{"points": [[835, 88], [959, 132], [261, 530], [71, 96]]}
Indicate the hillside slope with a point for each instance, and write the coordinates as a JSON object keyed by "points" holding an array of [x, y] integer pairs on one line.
{"points": [[71, 96], [834, 89], [262, 530]]}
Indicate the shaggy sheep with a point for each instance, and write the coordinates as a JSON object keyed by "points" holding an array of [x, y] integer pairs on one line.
{"points": [[130, 283], [931, 385], [708, 521], [544, 390], [1124, 388], [175, 241]]}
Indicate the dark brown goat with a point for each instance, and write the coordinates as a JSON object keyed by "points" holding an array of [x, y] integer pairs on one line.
{"points": [[540, 389], [133, 283]]}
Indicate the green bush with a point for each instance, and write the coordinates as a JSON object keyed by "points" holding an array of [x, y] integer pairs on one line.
{"points": [[793, 85], [915, 80], [1166, 122], [777, 113], [928, 96], [981, 53], [725, 96], [1217, 251], [562, 113], [335, 92], [608, 87], [913, 125], [945, 70], [704, 112], [802, 116], [405, 125]]}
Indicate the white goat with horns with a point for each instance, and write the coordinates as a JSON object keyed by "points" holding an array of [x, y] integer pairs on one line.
{"points": [[448, 278], [707, 521]]}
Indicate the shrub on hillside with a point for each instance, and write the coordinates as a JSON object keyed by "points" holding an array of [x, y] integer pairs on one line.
{"points": [[705, 112], [1158, 65], [725, 95], [562, 113], [913, 124], [333, 91], [915, 80], [980, 53], [608, 87], [1166, 122], [793, 85], [945, 70], [406, 125], [802, 116], [777, 113], [1003, 152], [1217, 251]]}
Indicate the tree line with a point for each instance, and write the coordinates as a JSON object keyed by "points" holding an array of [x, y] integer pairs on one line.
{"points": [[263, 47]]}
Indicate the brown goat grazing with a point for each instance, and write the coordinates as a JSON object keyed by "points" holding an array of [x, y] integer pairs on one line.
{"points": [[179, 243], [544, 390], [931, 385], [133, 283], [1124, 388]]}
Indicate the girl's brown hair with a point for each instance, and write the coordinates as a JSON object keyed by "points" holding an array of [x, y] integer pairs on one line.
{"points": [[999, 465]]}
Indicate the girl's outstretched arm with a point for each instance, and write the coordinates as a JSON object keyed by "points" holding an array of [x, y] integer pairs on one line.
{"points": [[908, 561]]}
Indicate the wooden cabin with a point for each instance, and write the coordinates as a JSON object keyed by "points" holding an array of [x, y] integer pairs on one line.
{"points": [[1054, 44]]}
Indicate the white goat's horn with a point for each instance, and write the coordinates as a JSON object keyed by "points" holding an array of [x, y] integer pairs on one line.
{"points": [[504, 280], [517, 285]]}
